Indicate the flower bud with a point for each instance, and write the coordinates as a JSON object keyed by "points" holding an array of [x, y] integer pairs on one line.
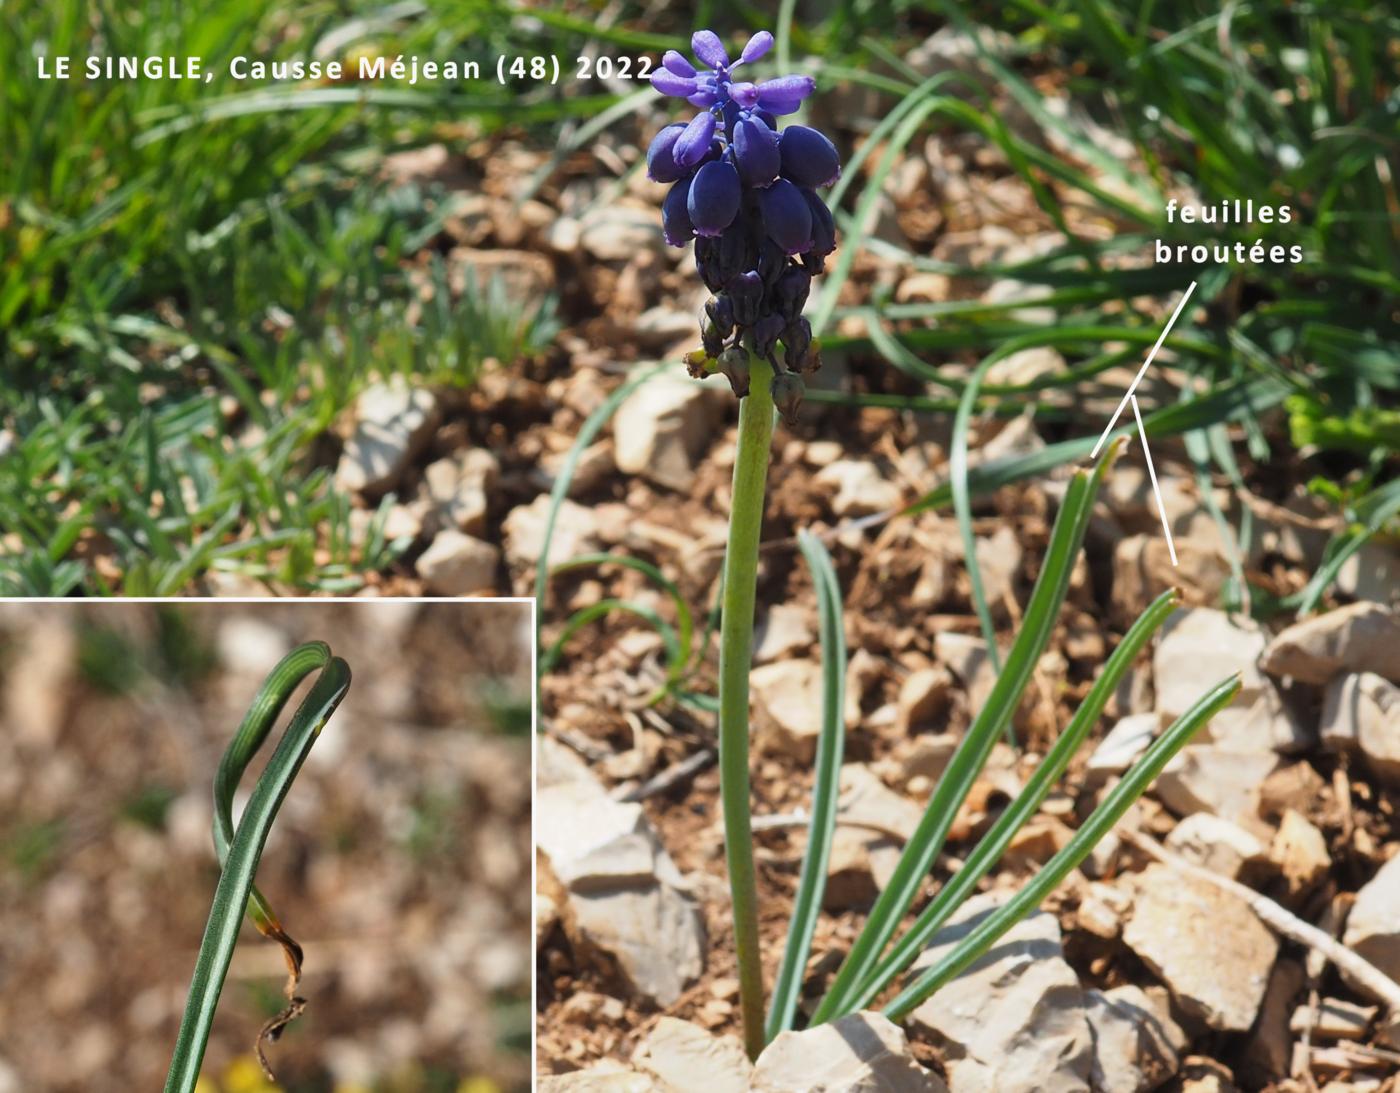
{"points": [[661, 163], [707, 262], [720, 310], [766, 333], [790, 292], [675, 62], [706, 45], [772, 262], [787, 395], [711, 338], [755, 151], [808, 158], [668, 83], [675, 218], [785, 94], [823, 225], [692, 145], [797, 339], [737, 251], [786, 216], [714, 197], [746, 293], [734, 363], [756, 47]]}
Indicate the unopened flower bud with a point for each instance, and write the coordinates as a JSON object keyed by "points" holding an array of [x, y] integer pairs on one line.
{"points": [[734, 363], [766, 333], [711, 338], [746, 292], [720, 311], [787, 395], [797, 339]]}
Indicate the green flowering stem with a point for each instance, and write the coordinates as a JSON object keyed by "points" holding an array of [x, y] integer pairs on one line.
{"points": [[735, 659]]}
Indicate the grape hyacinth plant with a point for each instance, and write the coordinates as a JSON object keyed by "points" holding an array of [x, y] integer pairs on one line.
{"points": [[744, 190]]}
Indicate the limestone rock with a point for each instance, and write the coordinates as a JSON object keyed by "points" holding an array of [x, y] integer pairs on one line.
{"points": [[1361, 712], [575, 532], [1014, 1021], [1123, 744], [1206, 945], [923, 698], [618, 233], [392, 422], [867, 846], [999, 560], [1373, 927], [458, 489], [916, 763], [967, 657], [604, 1077], [859, 488], [1364, 637], [1300, 852], [1198, 648], [790, 695], [1337, 1019], [1372, 573], [1137, 1045], [663, 427], [784, 632], [691, 1060], [1266, 722], [1223, 782], [458, 565], [624, 904], [859, 1053], [1217, 844]]}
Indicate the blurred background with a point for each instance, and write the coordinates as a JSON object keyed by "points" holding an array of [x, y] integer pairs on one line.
{"points": [[400, 859]]}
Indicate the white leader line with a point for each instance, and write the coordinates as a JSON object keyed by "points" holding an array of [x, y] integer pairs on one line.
{"points": [[1152, 474], [1143, 370]]}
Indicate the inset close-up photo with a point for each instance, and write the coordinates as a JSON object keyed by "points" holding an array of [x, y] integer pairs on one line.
{"points": [[259, 847]]}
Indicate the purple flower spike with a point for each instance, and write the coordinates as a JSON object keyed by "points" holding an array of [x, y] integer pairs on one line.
{"points": [[755, 152], [809, 159], [675, 218], [707, 46], [786, 216], [661, 163], [756, 47], [691, 145], [668, 83], [714, 198], [676, 63], [744, 191]]}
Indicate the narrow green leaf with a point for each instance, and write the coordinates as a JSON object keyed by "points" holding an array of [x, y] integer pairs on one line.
{"points": [[240, 855], [994, 843], [1132, 786], [971, 756]]}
